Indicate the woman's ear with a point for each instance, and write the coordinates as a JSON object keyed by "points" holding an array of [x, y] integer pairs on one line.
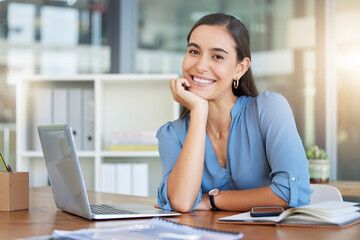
{"points": [[241, 68]]}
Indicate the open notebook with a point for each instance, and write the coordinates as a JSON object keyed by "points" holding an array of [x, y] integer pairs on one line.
{"points": [[67, 183], [329, 213]]}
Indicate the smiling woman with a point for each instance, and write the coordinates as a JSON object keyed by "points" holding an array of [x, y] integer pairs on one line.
{"points": [[210, 64], [236, 35], [240, 147]]}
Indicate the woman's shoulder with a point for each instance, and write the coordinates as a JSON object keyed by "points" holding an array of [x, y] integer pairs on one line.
{"points": [[270, 98], [269, 101], [174, 128], [265, 101], [272, 106]]}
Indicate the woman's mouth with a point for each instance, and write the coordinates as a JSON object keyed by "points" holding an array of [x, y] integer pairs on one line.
{"points": [[201, 81]]}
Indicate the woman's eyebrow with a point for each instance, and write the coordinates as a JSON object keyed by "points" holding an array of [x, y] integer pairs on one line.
{"points": [[193, 45], [212, 49], [219, 50]]}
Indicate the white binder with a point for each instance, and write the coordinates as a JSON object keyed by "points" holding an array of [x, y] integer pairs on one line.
{"points": [[75, 115], [88, 117], [123, 178], [108, 177], [60, 105], [140, 179]]}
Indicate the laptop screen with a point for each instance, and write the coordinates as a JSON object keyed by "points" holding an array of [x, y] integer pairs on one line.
{"points": [[64, 169]]}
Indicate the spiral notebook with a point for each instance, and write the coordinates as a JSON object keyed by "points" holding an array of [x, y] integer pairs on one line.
{"points": [[156, 228]]}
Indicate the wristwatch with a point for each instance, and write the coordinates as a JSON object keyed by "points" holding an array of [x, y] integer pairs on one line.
{"points": [[214, 192]]}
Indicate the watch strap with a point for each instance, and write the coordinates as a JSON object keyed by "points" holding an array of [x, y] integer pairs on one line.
{"points": [[212, 202]]}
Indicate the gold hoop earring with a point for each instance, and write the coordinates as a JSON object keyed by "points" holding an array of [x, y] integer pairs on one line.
{"points": [[236, 84]]}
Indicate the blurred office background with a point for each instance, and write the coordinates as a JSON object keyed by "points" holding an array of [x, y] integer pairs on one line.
{"points": [[307, 50]]}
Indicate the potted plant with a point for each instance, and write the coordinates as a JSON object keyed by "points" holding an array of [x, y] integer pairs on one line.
{"points": [[319, 167]]}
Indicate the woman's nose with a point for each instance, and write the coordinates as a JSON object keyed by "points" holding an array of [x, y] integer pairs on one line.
{"points": [[202, 65]]}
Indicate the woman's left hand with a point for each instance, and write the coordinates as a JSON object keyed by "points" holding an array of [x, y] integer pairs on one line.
{"points": [[204, 203]]}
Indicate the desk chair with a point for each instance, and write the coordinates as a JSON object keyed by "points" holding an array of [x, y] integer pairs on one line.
{"points": [[324, 193]]}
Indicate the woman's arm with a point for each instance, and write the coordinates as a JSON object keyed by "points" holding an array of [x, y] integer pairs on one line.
{"points": [[185, 178], [242, 200], [289, 174]]}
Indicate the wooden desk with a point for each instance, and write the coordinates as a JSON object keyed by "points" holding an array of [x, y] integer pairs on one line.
{"points": [[347, 188], [42, 218]]}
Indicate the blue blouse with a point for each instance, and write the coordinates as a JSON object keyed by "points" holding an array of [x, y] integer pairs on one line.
{"points": [[263, 149]]}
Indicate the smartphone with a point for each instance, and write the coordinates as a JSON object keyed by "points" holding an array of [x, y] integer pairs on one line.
{"points": [[266, 211]]}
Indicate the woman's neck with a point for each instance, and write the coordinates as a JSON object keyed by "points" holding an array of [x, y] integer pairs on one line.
{"points": [[219, 113]]}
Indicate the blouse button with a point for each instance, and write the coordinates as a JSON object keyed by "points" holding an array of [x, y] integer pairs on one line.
{"points": [[293, 179]]}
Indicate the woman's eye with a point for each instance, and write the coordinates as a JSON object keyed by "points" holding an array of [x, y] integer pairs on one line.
{"points": [[218, 57], [193, 51]]}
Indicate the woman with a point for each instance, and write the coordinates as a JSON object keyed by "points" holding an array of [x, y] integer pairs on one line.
{"points": [[233, 149]]}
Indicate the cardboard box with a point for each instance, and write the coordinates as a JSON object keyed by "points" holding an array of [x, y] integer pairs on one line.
{"points": [[14, 191]]}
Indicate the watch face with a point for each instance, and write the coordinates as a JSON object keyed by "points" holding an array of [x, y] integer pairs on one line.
{"points": [[214, 192]]}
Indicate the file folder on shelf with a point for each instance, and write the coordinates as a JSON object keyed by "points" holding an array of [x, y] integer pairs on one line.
{"points": [[140, 179], [88, 116], [108, 177], [123, 178], [75, 116], [60, 106]]}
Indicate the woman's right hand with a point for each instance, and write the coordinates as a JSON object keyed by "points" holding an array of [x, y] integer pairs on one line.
{"points": [[186, 98]]}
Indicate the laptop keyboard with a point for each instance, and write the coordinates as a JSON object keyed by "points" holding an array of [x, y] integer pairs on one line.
{"points": [[103, 209]]}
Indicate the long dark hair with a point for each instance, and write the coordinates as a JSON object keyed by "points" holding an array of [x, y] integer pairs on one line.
{"points": [[241, 38]]}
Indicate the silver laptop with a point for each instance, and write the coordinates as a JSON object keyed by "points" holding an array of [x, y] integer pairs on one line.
{"points": [[67, 183]]}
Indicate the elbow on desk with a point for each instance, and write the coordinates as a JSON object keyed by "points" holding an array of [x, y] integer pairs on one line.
{"points": [[181, 206]]}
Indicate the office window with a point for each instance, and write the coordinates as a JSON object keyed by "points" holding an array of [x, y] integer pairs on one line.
{"points": [[348, 88], [163, 27], [52, 37], [49, 37], [282, 58]]}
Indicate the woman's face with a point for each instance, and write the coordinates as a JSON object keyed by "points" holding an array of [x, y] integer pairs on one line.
{"points": [[210, 63]]}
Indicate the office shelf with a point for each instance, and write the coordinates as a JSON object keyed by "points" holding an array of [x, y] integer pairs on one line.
{"points": [[31, 154], [117, 103], [39, 154], [130, 154]]}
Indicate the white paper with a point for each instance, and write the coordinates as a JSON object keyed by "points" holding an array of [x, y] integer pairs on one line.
{"points": [[246, 217]]}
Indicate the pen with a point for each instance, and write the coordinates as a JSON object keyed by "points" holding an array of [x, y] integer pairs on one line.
{"points": [[9, 169], [4, 164]]}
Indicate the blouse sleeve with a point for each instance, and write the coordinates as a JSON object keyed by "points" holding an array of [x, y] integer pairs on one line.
{"points": [[284, 150], [170, 147]]}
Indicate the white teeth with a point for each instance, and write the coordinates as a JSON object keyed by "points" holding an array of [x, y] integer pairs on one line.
{"points": [[202, 80]]}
